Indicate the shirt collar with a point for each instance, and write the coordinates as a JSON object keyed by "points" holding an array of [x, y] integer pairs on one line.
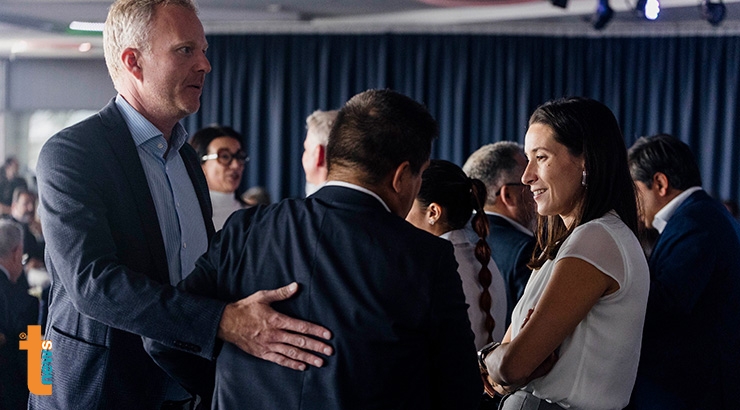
{"points": [[142, 130], [358, 188], [661, 218], [515, 224], [456, 236], [5, 271]]}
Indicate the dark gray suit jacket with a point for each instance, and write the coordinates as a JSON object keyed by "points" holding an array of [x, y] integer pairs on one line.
{"points": [[106, 257], [511, 249], [389, 292]]}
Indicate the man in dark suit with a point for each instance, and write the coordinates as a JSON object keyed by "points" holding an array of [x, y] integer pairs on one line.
{"points": [[126, 214], [691, 340], [510, 210], [18, 309], [23, 212], [389, 292]]}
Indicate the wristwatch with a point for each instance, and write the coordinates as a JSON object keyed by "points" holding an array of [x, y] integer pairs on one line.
{"points": [[482, 353]]}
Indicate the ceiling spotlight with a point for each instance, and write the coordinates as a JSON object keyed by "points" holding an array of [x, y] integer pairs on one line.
{"points": [[648, 9], [603, 15], [714, 13]]}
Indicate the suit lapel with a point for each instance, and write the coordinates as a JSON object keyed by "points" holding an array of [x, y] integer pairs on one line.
{"points": [[124, 150]]}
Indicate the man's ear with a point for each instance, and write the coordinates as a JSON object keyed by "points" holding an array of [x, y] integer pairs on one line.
{"points": [[507, 198], [403, 172], [661, 186], [131, 62], [320, 155]]}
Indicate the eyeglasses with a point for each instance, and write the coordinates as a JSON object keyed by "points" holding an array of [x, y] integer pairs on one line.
{"points": [[509, 184], [224, 157]]}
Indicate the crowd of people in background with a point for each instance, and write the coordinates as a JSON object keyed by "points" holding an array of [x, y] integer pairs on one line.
{"points": [[570, 272], [24, 282]]}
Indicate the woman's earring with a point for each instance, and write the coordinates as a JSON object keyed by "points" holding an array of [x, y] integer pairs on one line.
{"points": [[583, 180], [431, 221]]}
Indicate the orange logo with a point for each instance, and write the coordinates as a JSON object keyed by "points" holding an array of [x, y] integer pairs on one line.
{"points": [[39, 361]]}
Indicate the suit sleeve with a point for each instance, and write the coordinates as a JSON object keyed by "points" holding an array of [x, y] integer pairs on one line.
{"points": [[456, 382], [77, 212], [210, 278]]}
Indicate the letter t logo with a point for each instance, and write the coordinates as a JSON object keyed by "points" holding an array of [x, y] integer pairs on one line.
{"points": [[32, 344]]}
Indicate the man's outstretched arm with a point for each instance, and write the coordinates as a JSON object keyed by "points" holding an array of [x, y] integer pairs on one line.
{"points": [[253, 326]]}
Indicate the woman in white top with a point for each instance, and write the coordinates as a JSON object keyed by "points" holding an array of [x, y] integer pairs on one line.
{"points": [[443, 207], [222, 159], [575, 335]]}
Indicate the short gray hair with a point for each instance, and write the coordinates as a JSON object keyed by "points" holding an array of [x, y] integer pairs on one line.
{"points": [[11, 236], [129, 25], [321, 122], [495, 165]]}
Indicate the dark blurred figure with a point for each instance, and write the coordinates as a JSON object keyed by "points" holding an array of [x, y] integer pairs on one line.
{"points": [[17, 310], [23, 212], [9, 181]]}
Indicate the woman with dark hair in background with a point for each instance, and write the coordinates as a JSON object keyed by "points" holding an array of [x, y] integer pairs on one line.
{"points": [[222, 158], [575, 335], [443, 207]]}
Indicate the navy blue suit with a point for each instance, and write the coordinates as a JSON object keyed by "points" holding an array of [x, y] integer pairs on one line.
{"points": [[690, 355], [106, 257], [511, 249], [389, 292]]}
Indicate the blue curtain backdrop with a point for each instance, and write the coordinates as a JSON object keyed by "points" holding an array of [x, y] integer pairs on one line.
{"points": [[481, 89]]}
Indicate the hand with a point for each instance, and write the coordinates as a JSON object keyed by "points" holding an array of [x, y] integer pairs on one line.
{"points": [[492, 388], [253, 326], [489, 385]]}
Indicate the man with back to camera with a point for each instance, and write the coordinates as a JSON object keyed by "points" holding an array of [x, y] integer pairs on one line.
{"points": [[389, 292], [510, 210], [318, 127], [126, 214], [691, 340]]}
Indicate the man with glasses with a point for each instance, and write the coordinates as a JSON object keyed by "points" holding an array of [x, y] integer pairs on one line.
{"points": [[510, 209], [222, 160]]}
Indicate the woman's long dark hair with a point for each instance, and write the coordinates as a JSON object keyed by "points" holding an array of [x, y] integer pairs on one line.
{"points": [[445, 184], [587, 127]]}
